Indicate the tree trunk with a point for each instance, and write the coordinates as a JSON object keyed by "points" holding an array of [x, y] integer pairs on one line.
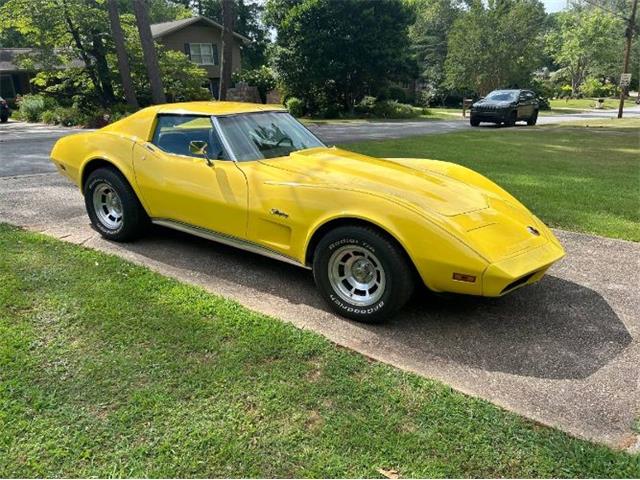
{"points": [[121, 52], [227, 48], [77, 39], [104, 74], [141, 10]]}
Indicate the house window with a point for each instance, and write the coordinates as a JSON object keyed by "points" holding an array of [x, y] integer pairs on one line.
{"points": [[203, 53], [7, 89]]}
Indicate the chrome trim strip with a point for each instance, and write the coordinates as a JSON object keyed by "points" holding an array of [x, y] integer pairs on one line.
{"points": [[227, 240], [223, 138]]}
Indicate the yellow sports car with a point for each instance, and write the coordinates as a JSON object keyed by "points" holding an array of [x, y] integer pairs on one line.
{"points": [[253, 177]]}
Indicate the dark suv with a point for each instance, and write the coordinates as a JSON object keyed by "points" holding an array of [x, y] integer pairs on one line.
{"points": [[506, 106], [4, 110]]}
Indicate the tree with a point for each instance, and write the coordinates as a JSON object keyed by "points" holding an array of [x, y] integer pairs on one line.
{"points": [[429, 38], [495, 45], [332, 52], [77, 26], [247, 22], [586, 42], [121, 53], [226, 66], [149, 50]]}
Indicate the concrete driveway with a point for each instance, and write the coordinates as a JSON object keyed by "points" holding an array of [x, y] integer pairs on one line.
{"points": [[564, 352]]}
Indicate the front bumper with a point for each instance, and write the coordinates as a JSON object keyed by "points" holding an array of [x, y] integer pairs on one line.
{"points": [[524, 269], [490, 116]]}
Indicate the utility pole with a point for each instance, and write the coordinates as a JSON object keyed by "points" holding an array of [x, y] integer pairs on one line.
{"points": [[227, 47], [141, 10], [627, 52], [121, 53]]}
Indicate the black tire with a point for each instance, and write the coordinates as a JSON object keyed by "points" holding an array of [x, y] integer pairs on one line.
{"points": [[4, 118], [394, 272], [133, 220], [533, 119], [474, 122], [511, 119]]}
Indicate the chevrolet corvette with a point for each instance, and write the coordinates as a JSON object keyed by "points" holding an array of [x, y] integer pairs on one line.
{"points": [[253, 177]]}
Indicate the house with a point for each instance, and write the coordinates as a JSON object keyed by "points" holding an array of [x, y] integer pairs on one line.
{"points": [[14, 79], [200, 38]]}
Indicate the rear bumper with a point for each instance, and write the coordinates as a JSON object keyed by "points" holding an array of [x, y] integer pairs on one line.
{"points": [[507, 275]]}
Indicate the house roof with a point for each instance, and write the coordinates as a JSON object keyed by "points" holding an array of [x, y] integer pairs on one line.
{"points": [[161, 29], [9, 58]]}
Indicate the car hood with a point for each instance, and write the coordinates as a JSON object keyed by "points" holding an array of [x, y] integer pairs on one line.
{"points": [[476, 210], [422, 188]]}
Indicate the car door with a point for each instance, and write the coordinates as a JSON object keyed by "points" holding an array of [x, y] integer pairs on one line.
{"points": [[181, 186], [523, 106]]}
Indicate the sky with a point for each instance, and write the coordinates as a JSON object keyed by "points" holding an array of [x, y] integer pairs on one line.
{"points": [[554, 5]]}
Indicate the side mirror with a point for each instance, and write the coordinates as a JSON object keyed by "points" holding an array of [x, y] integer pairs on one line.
{"points": [[198, 148]]}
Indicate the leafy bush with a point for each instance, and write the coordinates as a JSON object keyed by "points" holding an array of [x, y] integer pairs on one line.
{"points": [[398, 94], [262, 78], [565, 91], [66, 116], [31, 107], [592, 87], [366, 105], [394, 109], [295, 106]]}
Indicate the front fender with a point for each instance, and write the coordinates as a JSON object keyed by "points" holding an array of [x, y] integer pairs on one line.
{"points": [[435, 250]]}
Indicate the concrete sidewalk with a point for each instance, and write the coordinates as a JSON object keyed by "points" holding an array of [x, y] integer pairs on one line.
{"points": [[564, 352]]}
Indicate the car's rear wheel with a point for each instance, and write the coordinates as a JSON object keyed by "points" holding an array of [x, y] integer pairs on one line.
{"points": [[4, 118], [113, 207], [362, 273], [533, 119]]}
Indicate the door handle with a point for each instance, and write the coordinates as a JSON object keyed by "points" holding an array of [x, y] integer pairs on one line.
{"points": [[149, 147]]}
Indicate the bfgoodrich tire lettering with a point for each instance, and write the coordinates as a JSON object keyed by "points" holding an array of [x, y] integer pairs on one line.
{"points": [[367, 264], [107, 188]]}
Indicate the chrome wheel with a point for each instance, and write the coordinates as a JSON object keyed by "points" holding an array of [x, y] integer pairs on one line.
{"points": [[356, 275], [107, 205]]}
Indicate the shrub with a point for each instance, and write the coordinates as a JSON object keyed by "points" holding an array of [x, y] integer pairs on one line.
{"points": [[262, 78], [398, 94], [295, 106], [65, 116], [394, 109], [366, 105], [592, 87], [565, 91], [31, 107]]}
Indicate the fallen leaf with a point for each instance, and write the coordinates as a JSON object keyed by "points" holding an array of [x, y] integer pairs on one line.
{"points": [[391, 473]]}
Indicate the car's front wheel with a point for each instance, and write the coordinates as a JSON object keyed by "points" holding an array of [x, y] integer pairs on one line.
{"points": [[113, 207], [362, 273], [511, 119], [474, 122]]}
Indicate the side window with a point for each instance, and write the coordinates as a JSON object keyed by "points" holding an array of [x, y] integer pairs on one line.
{"points": [[174, 133]]}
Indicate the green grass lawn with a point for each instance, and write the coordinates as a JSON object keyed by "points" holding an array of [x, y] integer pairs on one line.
{"points": [[583, 104], [108, 369], [577, 177]]}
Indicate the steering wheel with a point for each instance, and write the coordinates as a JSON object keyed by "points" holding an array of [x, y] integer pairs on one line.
{"points": [[283, 139]]}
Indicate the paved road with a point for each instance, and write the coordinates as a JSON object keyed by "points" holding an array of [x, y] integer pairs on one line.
{"points": [[564, 352], [24, 148]]}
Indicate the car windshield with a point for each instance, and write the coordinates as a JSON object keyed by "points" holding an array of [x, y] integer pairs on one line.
{"points": [[254, 136], [502, 96]]}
